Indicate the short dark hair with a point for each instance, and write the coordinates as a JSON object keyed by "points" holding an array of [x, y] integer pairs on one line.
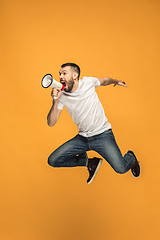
{"points": [[73, 65]]}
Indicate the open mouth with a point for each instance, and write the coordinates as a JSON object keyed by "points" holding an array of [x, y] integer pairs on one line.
{"points": [[64, 83]]}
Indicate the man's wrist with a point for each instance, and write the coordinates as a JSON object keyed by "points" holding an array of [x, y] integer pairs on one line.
{"points": [[55, 101]]}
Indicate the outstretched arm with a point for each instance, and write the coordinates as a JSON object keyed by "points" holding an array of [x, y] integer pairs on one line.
{"points": [[107, 81]]}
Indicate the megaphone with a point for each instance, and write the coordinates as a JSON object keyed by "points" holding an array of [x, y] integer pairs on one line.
{"points": [[48, 81]]}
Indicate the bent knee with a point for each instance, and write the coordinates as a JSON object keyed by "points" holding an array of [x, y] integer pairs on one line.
{"points": [[52, 162]]}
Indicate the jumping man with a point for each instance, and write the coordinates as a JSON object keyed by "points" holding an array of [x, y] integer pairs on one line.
{"points": [[95, 132]]}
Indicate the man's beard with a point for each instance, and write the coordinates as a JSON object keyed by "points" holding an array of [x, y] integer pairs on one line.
{"points": [[70, 85]]}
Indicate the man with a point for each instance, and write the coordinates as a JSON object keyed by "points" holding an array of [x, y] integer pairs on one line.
{"points": [[95, 132]]}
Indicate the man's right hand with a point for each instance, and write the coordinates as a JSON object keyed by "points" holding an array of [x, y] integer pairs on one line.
{"points": [[56, 93]]}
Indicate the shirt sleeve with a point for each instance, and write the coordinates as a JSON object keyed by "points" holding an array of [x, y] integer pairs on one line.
{"points": [[95, 81]]}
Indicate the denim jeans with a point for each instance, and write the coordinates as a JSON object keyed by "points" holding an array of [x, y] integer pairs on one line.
{"points": [[73, 152]]}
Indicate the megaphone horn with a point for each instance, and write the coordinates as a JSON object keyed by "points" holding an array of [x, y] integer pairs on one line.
{"points": [[48, 81]]}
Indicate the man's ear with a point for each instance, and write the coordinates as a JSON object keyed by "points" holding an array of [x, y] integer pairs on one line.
{"points": [[75, 75]]}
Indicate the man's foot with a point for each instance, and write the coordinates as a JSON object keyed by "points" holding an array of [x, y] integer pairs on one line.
{"points": [[93, 166], [135, 169]]}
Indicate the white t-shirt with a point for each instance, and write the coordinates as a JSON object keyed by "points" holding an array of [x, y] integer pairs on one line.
{"points": [[85, 108]]}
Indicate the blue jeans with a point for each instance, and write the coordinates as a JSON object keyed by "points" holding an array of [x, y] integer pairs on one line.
{"points": [[73, 152]]}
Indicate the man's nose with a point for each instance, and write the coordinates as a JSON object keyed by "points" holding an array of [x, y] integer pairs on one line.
{"points": [[61, 77]]}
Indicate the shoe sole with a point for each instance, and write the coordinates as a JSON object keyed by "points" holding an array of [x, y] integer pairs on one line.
{"points": [[98, 166], [139, 171]]}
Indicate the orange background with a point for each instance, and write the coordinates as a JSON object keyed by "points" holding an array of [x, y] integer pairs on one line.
{"points": [[118, 39]]}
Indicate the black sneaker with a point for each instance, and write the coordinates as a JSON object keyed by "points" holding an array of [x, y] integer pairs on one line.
{"points": [[135, 169], [93, 166]]}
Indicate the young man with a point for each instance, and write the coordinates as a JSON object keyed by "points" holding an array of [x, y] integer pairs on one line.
{"points": [[95, 132]]}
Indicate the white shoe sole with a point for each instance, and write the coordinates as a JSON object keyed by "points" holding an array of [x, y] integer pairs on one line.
{"points": [[98, 166]]}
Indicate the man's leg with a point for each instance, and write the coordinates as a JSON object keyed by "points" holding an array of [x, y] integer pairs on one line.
{"points": [[105, 144], [70, 154]]}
